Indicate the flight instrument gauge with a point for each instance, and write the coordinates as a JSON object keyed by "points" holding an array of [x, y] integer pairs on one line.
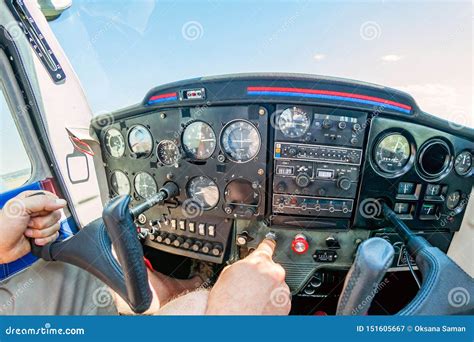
{"points": [[119, 183], [463, 163], [140, 141], [392, 153], [294, 122], [167, 152], [204, 191], [241, 191], [114, 143], [240, 141], [145, 185], [199, 140]]}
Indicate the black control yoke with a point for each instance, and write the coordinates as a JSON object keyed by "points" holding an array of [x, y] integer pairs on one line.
{"points": [[446, 289], [91, 248]]}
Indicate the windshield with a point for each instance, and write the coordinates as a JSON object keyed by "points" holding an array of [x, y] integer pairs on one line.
{"points": [[121, 49]]}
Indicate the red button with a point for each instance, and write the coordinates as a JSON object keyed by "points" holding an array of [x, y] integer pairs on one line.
{"points": [[300, 244]]}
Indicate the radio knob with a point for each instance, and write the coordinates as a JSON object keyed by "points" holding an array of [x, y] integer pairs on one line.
{"points": [[344, 183], [327, 123], [292, 151], [341, 124], [302, 180]]}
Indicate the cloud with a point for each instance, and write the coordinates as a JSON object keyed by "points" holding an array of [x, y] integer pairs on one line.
{"points": [[319, 57], [391, 58], [443, 100]]}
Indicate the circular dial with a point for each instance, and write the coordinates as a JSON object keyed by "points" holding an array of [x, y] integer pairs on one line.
{"points": [[199, 140], [140, 141], [294, 122], [114, 143], [204, 191], [392, 153], [453, 200], [120, 183], [240, 140], [167, 152], [463, 163], [241, 191], [145, 185]]}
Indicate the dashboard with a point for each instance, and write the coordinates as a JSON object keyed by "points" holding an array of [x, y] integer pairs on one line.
{"points": [[309, 158]]}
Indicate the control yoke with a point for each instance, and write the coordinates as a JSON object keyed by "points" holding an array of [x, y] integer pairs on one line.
{"points": [[91, 248]]}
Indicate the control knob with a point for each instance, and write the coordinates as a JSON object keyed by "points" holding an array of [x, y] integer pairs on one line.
{"points": [[187, 243], [327, 123], [344, 183], [178, 241], [169, 239], [303, 180], [206, 248], [160, 237], [217, 250], [196, 246]]}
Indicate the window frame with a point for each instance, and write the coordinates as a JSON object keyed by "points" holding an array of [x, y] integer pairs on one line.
{"points": [[14, 98]]}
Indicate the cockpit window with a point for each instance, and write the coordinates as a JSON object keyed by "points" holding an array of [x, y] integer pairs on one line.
{"points": [[15, 166], [121, 49]]}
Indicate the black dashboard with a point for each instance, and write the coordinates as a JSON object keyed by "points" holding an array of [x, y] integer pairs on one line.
{"points": [[308, 158]]}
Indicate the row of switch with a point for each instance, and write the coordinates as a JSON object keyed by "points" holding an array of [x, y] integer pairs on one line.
{"points": [[433, 192], [427, 211], [197, 246], [202, 228]]}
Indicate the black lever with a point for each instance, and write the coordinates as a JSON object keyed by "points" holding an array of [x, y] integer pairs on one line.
{"points": [[414, 243], [169, 190], [91, 249]]}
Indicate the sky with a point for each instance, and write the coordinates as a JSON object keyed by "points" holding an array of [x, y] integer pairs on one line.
{"points": [[121, 48]]}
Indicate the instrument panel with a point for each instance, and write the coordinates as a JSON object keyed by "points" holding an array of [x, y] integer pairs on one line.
{"points": [[250, 160]]}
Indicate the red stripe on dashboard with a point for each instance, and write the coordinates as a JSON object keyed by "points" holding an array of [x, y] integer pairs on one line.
{"points": [[328, 92], [162, 96]]}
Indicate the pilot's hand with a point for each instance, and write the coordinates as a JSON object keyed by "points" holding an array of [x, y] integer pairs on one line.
{"points": [[31, 214], [252, 286]]}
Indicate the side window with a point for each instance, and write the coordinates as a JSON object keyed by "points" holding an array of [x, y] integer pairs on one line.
{"points": [[15, 165]]}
